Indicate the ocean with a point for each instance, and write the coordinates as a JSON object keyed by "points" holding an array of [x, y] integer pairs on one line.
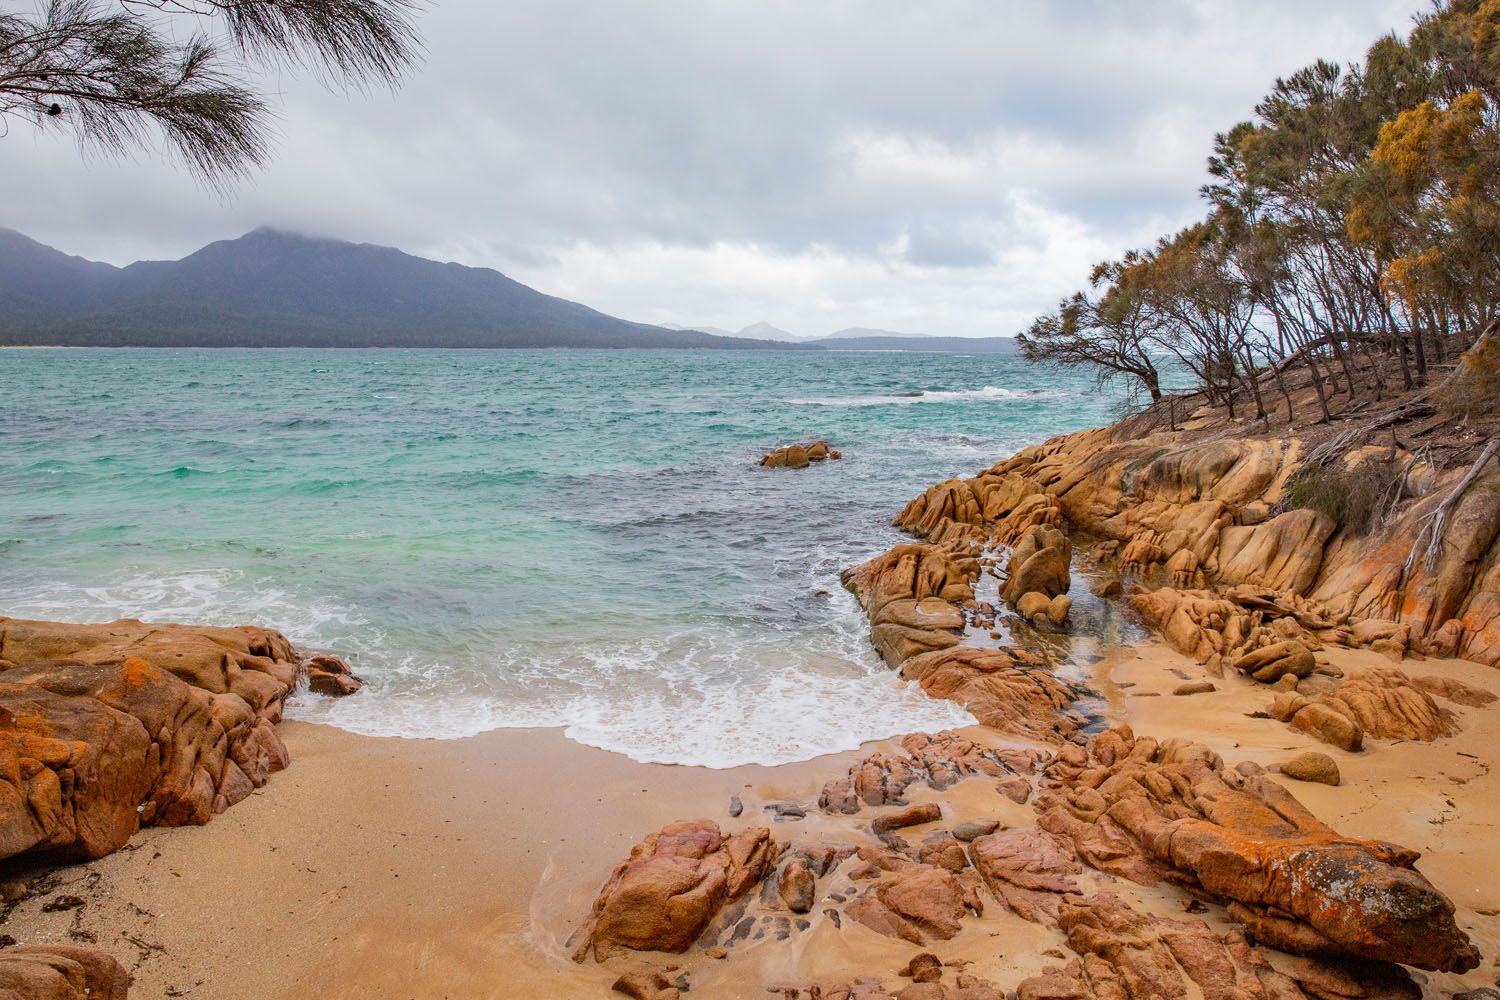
{"points": [[576, 539]]}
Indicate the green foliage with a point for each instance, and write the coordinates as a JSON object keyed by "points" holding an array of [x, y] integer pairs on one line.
{"points": [[115, 74], [1474, 389], [1352, 497], [1357, 213]]}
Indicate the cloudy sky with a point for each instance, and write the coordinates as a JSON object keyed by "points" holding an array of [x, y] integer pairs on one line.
{"points": [[950, 167]]}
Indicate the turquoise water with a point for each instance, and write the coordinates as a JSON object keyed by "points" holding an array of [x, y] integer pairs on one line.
{"points": [[577, 539]]}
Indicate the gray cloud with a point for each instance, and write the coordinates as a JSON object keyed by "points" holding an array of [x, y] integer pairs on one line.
{"points": [[947, 168]]}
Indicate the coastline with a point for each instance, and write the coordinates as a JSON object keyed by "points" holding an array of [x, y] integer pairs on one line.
{"points": [[1114, 783], [393, 867]]}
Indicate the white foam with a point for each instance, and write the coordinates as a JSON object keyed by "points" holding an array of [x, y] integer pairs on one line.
{"points": [[989, 392], [711, 695]]}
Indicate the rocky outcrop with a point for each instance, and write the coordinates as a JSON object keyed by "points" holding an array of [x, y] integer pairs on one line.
{"points": [[918, 903], [914, 596], [106, 728], [1009, 690], [1383, 703], [1039, 564], [800, 456], [1124, 953], [673, 885], [60, 972], [257, 665], [1149, 811], [938, 761], [1204, 507], [1028, 870]]}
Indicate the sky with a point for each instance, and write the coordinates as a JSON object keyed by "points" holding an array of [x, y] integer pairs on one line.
{"points": [[952, 167]]}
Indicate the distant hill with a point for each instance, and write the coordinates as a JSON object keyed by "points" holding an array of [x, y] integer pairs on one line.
{"points": [[865, 331], [276, 289], [856, 338]]}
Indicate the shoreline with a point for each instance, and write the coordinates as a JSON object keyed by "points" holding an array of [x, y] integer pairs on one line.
{"points": [[1118, 779], [387, 866]]}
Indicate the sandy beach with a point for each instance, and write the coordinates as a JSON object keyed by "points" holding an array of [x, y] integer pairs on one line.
{"points": [[385, 868]]}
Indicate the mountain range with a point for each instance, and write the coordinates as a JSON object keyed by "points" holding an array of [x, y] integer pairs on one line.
{"points": [[276, 289], [271, 288]]}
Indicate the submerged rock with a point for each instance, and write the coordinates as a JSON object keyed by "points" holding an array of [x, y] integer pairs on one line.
{"points": [[800, 456]]}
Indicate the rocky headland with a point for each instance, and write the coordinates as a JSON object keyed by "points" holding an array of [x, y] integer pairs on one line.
{"points": [[1310, 578]]}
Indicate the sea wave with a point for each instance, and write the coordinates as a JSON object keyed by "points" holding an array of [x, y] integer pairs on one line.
{"points": [[907, 397]]}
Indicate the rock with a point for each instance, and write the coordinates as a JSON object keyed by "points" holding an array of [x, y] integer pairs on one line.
{"points": [[111, 727], [1194, 687], [1146, 810], [674, 883], [924, 968], [1284, 553], [330, 677], [1039, 562], [942, 850], [1018, 790], [1184, 569], [736, 807], [124, 746], [1454, 690], [1129, 954], [1027, 870], [975, 828], [1057, 610], [927, 812], [917, 903], [60, 972], [1108, 589], [1007, 690], [645, 985], [1381, 702], [1033, 606], [1312, 766], [1320, 720], [797, 886], [911, 594], [1271, 663], [799, 456]]}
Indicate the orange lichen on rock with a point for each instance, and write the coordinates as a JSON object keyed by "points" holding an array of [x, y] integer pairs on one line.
{"points": [[105, 728], [1145, 809]]}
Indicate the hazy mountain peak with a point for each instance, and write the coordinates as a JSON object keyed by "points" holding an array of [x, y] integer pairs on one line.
{"points": [[275, 288]]}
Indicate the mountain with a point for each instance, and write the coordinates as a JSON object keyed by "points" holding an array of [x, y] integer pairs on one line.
{"points": [[860, 332], [276, 289], [35, 278], [765, 331]]}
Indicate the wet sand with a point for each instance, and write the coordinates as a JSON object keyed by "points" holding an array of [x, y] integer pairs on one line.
{"points": [[418, 870]]}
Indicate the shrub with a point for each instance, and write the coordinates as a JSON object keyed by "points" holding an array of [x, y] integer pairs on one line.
{"points": [[1351, 496]]}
